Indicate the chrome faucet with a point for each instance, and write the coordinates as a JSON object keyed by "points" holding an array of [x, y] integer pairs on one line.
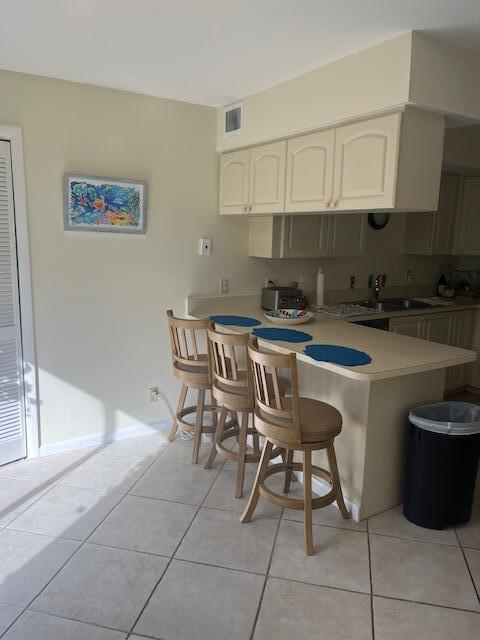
{"points": [[376, 287]]}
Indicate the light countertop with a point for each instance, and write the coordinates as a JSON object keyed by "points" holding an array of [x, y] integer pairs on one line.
{"points": [[392, 355]]}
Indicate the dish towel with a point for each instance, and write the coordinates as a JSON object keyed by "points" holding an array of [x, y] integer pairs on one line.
{"points": [[338, 355], [238, 321], [285, 335]]}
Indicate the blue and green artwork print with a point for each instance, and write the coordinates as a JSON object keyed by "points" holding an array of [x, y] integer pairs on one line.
{"points": [[104, 205]]}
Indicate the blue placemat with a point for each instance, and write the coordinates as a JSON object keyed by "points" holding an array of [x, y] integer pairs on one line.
{"points": [[285, 335], [238, 321], [338, 355]]}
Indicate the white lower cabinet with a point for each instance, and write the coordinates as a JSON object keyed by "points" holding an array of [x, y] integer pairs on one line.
{"points": [[301, 236], [461, 337], [408, 326], [453, 328]]}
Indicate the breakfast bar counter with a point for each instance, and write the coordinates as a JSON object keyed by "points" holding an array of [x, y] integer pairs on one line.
{"points": [[374, 398]]}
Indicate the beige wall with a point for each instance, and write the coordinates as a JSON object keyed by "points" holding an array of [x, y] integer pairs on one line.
{"points": [[100, 299], [462, 147], [371, 79], [444, 78]]}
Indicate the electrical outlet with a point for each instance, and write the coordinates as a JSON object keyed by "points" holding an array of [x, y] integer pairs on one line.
{"points": [[223, 285], [153, 393], [205, 247]]}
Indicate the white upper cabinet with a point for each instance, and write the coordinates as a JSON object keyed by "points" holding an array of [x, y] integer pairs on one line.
{"points": [[305, 236], [365, 164], [347, 234], [234, 177], [467, 241], [444, 219], [432, 233], [298, 236], [309, 180], [267, 178], [389, 162]]}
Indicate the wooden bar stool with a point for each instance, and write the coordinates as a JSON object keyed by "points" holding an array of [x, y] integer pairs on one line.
{"points": [[294, 424], [191, 367]]}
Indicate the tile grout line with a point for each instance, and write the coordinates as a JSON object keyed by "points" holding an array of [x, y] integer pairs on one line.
{"points": [[129, 633], [73, 554], [467, 565], [267, 574], [372, 615]]}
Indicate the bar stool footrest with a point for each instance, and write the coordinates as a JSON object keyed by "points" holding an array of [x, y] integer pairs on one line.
{"points": [[294, 503], [190, 427]]}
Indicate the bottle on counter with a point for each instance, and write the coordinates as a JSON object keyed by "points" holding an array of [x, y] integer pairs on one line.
{"points": [[442, 285], [320, 300]]}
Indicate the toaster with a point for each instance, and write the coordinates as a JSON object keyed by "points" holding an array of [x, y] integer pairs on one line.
{"points": [[282, 298]]}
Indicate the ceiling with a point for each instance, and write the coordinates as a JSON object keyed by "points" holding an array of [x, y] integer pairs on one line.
{"points": [[211, 51]]}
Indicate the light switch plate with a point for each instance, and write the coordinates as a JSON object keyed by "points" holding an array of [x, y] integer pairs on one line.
{"points": [[205, 247]]}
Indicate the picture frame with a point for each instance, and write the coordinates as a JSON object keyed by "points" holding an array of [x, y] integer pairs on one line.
{"points": [[103, 204]]}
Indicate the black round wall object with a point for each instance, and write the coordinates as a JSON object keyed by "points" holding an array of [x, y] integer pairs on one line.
{"points": [[378, 220]]}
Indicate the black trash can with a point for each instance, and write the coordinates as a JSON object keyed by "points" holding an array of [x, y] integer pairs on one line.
{"points": [[442, 460]]}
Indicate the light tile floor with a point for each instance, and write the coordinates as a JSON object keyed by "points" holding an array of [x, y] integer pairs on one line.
{"points": [[131, 541]]}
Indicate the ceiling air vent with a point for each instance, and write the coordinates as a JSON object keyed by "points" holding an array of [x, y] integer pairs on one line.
{"points": [[233, 119]]}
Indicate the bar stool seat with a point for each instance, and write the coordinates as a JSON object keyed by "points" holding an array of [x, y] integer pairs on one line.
{"points": [[318, 420]]}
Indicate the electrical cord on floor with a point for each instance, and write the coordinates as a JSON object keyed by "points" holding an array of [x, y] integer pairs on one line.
{"points": [[185, 435]]}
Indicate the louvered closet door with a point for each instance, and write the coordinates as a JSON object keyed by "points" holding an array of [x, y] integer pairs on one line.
{"points": [[12, 410]]}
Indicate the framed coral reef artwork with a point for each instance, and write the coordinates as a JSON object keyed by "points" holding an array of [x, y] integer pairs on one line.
{"points": [[94, 203]]}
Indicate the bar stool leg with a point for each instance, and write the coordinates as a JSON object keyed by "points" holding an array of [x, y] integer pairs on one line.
{"points": [[217, 437], [289, 473], [181, 404], [198, 425], [307, 500], [242, 449], [256, 443], [260, 477], [332, 463]]}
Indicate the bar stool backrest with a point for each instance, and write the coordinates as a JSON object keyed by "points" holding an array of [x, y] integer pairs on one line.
{"points": [[229, 363], [276, 416], [187, 337]]}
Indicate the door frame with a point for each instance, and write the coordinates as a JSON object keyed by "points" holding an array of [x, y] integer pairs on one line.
{"points": [[13, 135]]}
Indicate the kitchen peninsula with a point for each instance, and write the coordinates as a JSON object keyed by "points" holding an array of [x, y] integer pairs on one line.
{"points": [[374, 399]]}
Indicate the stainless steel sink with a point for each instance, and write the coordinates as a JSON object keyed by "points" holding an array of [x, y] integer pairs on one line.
{"points": [[407, 303], [383, 305]]}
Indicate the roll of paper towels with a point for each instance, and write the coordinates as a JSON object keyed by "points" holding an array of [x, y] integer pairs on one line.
{"points": [[320, 288]]}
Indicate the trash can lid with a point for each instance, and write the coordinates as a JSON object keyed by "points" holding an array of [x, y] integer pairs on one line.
{"points": [[451, 418]]}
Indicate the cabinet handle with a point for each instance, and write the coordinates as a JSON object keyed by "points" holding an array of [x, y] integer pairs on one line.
{"points": [[250, 207], [335, 203], [328, 203], [245, 208]]}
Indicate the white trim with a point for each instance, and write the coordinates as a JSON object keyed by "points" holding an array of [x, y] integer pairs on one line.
{"points": [[14, 136], [95, 439]]}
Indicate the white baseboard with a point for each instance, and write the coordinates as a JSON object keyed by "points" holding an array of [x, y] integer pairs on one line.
{"points": [[162, 427], [321, 487]]}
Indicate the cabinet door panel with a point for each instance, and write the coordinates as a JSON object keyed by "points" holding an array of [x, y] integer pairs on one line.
{"points": [[267, 178], [365, 164], [444, 219], [310, 171], [438, 328], [460, 337], [347, 234], [234, 175], [305, 236], [412, 326], [469, 236]]}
